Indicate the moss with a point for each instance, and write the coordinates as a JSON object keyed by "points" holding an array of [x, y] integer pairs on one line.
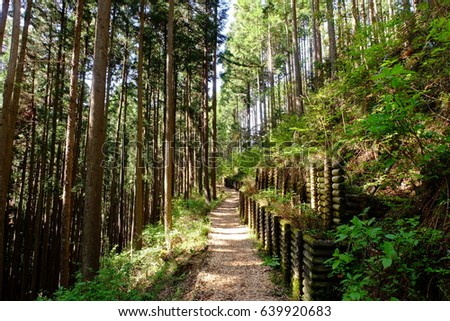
{"points": [[296, 288]]}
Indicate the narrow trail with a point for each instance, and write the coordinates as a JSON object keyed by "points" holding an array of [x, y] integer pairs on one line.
{"points": [[232, 270]]}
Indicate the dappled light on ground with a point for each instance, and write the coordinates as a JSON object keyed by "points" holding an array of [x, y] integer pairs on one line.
{"points": [[232, 270]]}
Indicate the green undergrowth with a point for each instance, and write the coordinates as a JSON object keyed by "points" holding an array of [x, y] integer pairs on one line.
{"points": [[143, 275], [274, 263], [386, 116], [395, 259]]}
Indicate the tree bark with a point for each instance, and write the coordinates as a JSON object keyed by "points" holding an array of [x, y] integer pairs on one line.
{"points": [[123, 105], [373, 20], [3, 17], [214, 106], [94, 155], [270, 66], [355, 13], [139, 206], [170, 129], [297, 67], [69, 150], [364, 13], [156, 163], [32, 191], [317, 41], [56, 99], [332, 37], [7, 126], [205, 107], [248, 105]]}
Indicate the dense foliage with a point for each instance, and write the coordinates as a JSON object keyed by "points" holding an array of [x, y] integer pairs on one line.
{"points": [[52, 219], [397, 259], [381, 108]]}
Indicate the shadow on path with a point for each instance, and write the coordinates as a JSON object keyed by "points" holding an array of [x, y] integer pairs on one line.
{"points": [[232, 270]]}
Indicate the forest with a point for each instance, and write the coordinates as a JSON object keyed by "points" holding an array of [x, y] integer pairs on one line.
{"points": [[122, 120]]}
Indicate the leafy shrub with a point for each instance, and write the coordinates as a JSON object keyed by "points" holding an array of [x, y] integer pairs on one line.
{"points": [[271, 261], [248, 187], [270, 196], [111, 283], [398, 260], [301, 216]]}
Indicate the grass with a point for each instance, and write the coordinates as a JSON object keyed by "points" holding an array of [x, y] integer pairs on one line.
{"points": [[145, 275], [273, 262]]}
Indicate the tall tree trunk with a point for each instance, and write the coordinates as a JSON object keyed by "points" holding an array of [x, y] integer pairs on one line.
{"points": [[110, 57], [363, 13], [139, 205], [342, 25], [373, 20], [170, 129], [147, 153], [248, 105], [33, 176], [16, 232], [379, 9], [297, 67], [355, 13], [187, 168], [270, 66], [391, 9], [27, 288], [69, 150], [289, 89], [56, 108], [9, 116], [332, 37], [50, 278], [156, 163], [214, 106], [261, 99], [94, 155], [317, 38], [78, 199], [3, 17], [123, 105], [205, 107], [113, 215], [32, 248]]}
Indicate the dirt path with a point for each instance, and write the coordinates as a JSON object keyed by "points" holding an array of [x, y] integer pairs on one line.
{"points": [[232, 270]]}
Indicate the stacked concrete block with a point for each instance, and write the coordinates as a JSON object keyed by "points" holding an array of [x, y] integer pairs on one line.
{"points": [[338, 194], [296, 263], [268, 232], [285, 251], [311, 187], [317, 284], [276, 235]]}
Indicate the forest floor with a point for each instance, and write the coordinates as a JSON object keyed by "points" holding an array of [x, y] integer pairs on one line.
{"points": [[230, 269]]}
